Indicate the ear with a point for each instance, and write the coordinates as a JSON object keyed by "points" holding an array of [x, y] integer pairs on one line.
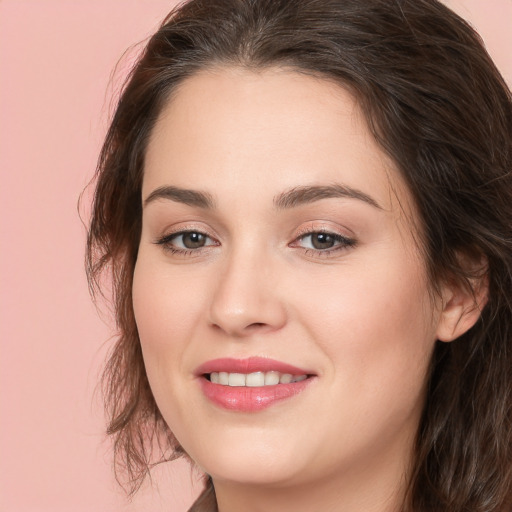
{"points": [[463, 302]]}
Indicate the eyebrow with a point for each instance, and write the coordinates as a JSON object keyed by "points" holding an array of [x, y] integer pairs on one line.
{"points": [[182, 195], [292, 198], [298, 196]]}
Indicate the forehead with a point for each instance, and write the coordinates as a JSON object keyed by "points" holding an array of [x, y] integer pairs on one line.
{"points": [[234, 131]]}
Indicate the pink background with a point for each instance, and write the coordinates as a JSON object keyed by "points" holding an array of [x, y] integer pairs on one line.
{"points": [[56, 59]]}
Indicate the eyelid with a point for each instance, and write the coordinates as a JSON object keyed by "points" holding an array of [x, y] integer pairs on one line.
{"points": [[323, 227], [184, 227], [165, 240], [345, 242], [342, 241]]}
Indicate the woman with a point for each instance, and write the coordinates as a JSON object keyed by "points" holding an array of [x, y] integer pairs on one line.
{"points": [[306, 210]]}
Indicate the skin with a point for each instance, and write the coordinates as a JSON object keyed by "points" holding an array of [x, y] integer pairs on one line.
{"points": [[358, 315]]}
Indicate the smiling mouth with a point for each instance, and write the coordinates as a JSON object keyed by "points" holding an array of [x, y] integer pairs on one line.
{"points": [[252, 384], [254, 379]]}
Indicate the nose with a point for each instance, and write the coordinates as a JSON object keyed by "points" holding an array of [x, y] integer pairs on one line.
{"points": [[246, 298]]}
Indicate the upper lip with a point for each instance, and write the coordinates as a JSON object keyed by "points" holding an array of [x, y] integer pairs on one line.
{"points": [[249, 365]]}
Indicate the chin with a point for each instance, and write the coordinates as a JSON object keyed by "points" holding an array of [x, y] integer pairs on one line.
{"points": [[249, 458], [239, 470]]}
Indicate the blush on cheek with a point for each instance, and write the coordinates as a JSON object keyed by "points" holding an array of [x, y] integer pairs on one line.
{"points": [[159, 308]]}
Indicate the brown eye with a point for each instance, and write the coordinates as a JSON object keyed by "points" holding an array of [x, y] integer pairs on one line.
{"points": [[321, 241], [324, 242], [185, 241], [193, 240]]}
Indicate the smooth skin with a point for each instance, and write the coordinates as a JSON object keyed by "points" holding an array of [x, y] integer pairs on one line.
{"points": [[331, 280]]}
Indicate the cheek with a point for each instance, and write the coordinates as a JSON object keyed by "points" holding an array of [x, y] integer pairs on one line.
{"points": [[376, 325], [165, 312], [165, 306]]}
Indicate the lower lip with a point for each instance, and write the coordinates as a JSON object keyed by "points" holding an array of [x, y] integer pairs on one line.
{"points": [[248, 399]]}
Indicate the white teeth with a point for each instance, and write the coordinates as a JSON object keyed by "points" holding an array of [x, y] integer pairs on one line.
{"points": [[236, 379], [286, 378], [255, 379], [271, 378]]}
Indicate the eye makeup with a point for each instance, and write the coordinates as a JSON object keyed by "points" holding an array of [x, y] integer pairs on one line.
{"points": [[314, 242]]}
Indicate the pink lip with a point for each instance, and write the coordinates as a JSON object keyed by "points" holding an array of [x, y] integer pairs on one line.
{"points": [[250, 365], [249, 399]]}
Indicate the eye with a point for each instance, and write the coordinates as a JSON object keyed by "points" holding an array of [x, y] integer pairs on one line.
{"points": [[319, 241], [323, 242], [185, 241], [190, 240]]}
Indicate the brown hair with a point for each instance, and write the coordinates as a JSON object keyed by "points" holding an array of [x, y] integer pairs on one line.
{"points": [[439, 107]]}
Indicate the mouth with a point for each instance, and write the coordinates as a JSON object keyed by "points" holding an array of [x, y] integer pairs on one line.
{"points": [[253, 380], [253, 384]]}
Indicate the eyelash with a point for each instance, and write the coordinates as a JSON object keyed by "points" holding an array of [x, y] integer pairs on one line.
{"points": [[343, 243], [166, 243]]}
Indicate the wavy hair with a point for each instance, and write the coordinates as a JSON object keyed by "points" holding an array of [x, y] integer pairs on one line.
{"points": [[438, 106]]}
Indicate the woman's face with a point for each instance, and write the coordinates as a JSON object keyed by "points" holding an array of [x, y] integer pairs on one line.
{"points": [[277, 241]]}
